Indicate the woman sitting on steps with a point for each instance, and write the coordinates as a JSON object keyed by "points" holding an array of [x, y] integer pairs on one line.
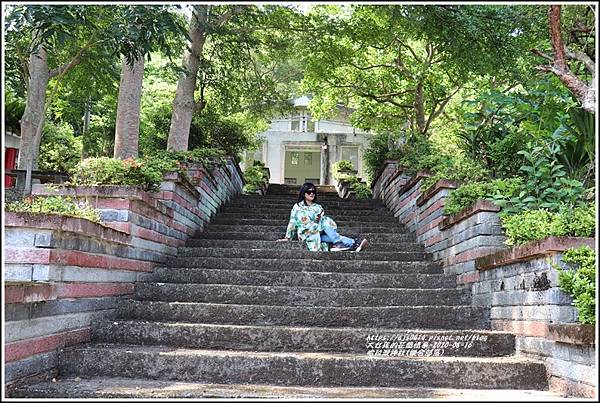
{"points": [[314, 228]]}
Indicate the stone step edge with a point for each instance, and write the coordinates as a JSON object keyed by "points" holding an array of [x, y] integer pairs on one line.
{"points": [[373, 330], [103, 387], [405, 307], [182, 351], [293, 288], [425, 263], [291, 272]]}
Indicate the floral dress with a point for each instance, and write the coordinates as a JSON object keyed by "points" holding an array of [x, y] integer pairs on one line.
{"points": [[303, 218]]}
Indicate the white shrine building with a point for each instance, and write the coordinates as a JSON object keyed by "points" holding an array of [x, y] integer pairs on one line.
{"points": [[298, 149]]}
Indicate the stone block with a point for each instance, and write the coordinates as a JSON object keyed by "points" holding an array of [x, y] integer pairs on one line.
{"points": [[20, 237], [44, 240], [550, 313], [482, 300], [18, 272], [25, 329], [573, 371], [30, 365], [114, 215]]}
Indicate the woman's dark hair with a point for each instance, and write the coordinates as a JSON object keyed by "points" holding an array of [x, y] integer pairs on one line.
{"points": [[303, 190]]}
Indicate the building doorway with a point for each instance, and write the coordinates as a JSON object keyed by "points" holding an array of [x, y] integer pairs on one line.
{"points": [[302, 164]]}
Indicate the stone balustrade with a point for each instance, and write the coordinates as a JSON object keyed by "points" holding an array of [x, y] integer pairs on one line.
{"points": [[61, 273], [519, 285]]}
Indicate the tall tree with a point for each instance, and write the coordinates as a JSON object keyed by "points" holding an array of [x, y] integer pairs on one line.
{"points": [[147, 27], [410, 61], [231, 63], [32, 32], [127, 131], [580, 53]]}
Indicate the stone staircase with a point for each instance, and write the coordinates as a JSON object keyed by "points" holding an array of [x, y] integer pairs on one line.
{"points": [[239, 315]]}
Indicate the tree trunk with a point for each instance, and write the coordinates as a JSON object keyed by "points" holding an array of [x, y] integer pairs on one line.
{"points": [[33, 116], [127, 130], [420, 108], [184, 104], [586, 94]]}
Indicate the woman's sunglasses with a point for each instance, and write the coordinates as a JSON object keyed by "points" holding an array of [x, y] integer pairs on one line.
{"points": [[311, 192]]}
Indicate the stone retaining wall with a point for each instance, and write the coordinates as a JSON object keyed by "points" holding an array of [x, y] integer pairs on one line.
{"points": [[518, 284], [63, 272]]}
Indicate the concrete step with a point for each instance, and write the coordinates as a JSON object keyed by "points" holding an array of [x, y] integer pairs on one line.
{"points": [[274, 235], [132, 388], [298, 296], [328, 206], [299, 279], [297, 245], [314, 339], [341, 221], [285, 211], [302, 369], [347, 228], [312, 264], [390, 317], [285, 216], [185, 252]]}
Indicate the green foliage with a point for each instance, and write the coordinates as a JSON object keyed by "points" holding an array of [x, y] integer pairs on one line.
{"points": [[531, 225], [209, 129], [468, 194], [146, 174], [376, 153], [579, 281], [546, 185], [409, 61], [577, 144], [497, 124], [503, 155], [60, 150], [455, 168], [343, 165], [393, 146], [255, 178], [63, 205], [341, 168], [362, 191], [14, 107]]}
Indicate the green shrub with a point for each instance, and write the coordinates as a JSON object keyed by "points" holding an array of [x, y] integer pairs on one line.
{"points": [[63, 205], [341, 166], [468, 194], [146, 172], [532, 225], [60, 150], [581, 221], [457, 169], [545, 185], [170, 161], [112, 171], [503, 154], [362, 191], [255, 179], [376, 153], [579, 281]]}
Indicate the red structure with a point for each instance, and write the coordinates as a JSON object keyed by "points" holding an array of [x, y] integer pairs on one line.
{"points": [[10, 161]]}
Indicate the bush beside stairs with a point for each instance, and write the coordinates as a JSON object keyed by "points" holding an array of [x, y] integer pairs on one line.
{"points": [[239, 315]]}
